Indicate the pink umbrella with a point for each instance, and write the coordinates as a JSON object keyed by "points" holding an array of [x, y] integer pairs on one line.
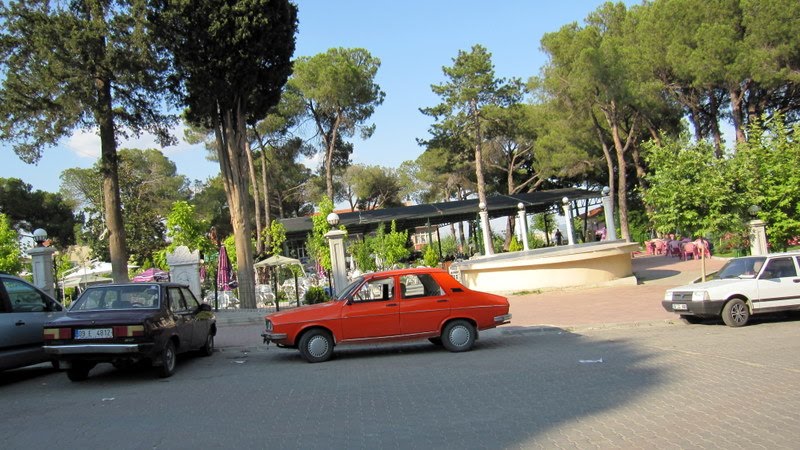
{"points": [[151, 275], [225, 281]]}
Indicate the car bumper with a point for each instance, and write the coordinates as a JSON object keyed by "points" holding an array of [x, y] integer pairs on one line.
{"points": [[98, 349], [703, 308], [500, 320], [278, 338]]}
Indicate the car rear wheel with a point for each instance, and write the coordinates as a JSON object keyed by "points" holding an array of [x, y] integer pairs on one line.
{"points": [[168, 360], [735, 313], [79, 371], [316, 346], [208, 348], [458, 336]]}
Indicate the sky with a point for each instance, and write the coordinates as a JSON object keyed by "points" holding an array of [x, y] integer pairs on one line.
{"points": [[413, 39]]}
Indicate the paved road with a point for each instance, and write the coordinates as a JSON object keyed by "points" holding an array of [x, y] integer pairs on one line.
{"points": [[678, 386]]}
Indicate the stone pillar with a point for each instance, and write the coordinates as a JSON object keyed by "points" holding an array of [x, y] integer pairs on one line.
{"points": [[523, 226], [486, 231], [42, 269], [568, 220], [758, 238], [338, 259], [608, 209], [184, 267]]}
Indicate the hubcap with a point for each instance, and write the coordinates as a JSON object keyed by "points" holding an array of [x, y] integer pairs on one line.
{"points": [[317, 346], [738, 313], [459, 336], [169, 358]]}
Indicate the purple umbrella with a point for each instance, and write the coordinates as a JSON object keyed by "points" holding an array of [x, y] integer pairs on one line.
{"points": [[224, 271], [151, 275]]}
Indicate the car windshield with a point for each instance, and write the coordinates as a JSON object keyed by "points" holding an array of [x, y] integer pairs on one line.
{"points": [[742, 266], [348, 290], [117, 297]]}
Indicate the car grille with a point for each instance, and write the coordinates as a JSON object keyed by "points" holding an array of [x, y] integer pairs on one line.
{"points": [[681, 296]]}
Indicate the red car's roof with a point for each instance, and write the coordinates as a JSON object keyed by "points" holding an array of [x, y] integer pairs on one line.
{"points": [[409, 270]]}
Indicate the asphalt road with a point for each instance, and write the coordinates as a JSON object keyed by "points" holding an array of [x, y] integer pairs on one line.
{"points": [[674, 386]]}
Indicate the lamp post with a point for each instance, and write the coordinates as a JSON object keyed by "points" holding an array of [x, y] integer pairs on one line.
{"points": [[608, 209], [523, 225], [488, 249], [336, 244], [758, 232], [42, 263], [568, 220]]}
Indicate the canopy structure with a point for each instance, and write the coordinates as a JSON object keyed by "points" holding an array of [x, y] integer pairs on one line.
{"points": [[83, 281], [277, 260], [408, 217]]}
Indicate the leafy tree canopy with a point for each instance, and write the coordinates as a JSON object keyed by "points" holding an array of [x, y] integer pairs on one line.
{"points": [[28, 210]]}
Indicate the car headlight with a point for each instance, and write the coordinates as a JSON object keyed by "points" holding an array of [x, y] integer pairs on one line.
{"points": [[269, 325], [699, 296], [668, 296]]}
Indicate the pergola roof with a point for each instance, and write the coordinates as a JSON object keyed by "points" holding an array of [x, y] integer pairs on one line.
{"points": [[409, 217]]}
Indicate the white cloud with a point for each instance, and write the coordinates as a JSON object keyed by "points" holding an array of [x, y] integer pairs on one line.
{"points": [[86, 144]]}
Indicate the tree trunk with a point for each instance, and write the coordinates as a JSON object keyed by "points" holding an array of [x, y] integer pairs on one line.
{"points": [[609, 161], [231, 139], [267, 202], [737, 114], [714, 123], [622, 186], [254, 182], [481, 181], [112, 204]]}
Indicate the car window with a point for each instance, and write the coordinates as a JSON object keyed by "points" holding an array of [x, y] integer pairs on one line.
{"points": [[419, 285], [191, 302], [176, 301], [741, 266], [779, 268], [110, 297], [25, 298], [375, 290]]}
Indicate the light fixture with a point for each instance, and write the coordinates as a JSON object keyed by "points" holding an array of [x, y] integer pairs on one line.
{"points": [[606, 190], [39, 236], [753, 210], [333, 219], [520, 206], [482, 206], [565, 200]]}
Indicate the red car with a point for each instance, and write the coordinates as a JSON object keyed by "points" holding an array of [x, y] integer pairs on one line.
{"points": [[388, 306]]}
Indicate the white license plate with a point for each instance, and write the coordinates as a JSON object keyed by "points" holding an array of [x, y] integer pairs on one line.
{"points": [[679, 307], [94, 333]]}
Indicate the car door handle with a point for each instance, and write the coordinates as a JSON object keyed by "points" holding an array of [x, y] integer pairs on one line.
{"points": [[19, 323], [390, 305], [444, 300]]}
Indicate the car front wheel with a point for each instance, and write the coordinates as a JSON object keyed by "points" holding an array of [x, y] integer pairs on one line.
{"points": [[208, 348], [458, 336], [168, 360], [316, 346], [735, 313]]}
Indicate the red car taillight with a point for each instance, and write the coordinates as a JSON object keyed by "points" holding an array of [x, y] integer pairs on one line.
{"points": [[128, 331], [57, 333]]}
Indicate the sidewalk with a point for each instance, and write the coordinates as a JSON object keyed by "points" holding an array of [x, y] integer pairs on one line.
{"points": [[579, 307]]}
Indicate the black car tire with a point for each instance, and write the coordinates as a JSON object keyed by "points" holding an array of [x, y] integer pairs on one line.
{"points": [[79, 371], [168, 360], [458, 336], [735, 313], [316, 346], [208, 348]]}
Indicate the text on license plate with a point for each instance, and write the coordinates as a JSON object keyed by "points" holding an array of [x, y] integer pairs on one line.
{"points": [[94, 333], [679, 307]]}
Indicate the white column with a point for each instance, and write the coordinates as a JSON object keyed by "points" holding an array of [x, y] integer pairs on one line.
{"points": [[608, 209], [758, 238], [338, 259], [568, 219], [523, 226], [486, 230], [43, 269]]}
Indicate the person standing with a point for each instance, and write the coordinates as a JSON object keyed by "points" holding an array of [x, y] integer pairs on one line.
{"points": [[558, 237]]}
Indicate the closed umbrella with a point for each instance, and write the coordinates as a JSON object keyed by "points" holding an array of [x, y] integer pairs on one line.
{"points": [[224, 271]]}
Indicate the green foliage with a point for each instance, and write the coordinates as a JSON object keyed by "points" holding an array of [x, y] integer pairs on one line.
{"points": [[277, 236], [230, 247], [371, 187], [9, 248], [390, 247], [361, 252], [315, 294], [430, 257], [316, 245], [514, 246], [185, 228], [28, 210]]}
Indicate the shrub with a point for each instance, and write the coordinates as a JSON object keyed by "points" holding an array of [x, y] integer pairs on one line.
{"points": [[315, 294]]}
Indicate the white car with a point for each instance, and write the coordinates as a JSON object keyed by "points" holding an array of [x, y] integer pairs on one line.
{"points": [[743, 287]]}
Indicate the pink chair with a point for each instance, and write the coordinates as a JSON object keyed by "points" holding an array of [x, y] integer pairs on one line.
{"points": [[689, 250], [674, 249]]}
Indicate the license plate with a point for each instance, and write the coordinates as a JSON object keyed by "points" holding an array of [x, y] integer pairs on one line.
{"points": [[94, 333], [679, 307]]}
